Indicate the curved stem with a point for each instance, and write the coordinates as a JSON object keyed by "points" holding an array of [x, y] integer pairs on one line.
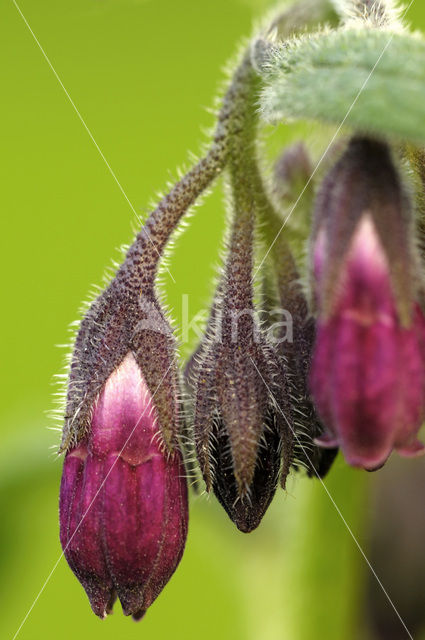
{"points": [[144, 255]]}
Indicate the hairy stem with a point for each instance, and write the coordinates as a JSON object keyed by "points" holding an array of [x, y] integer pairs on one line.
{"points": [[147, 249]]}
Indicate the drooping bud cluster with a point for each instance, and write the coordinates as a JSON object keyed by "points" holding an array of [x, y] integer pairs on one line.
{"points": [[123, 502], [368, 372], [346, 368]]}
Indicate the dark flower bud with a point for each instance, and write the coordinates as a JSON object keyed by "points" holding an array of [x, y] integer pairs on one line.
{"points": [[240, 433], [240, 428], [368, 370]]}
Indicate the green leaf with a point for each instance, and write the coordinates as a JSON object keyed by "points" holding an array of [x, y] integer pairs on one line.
{"points": [[374, 79]]}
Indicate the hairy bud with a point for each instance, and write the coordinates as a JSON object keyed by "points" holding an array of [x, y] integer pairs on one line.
{"points": [[240, 432], [123, 499]]}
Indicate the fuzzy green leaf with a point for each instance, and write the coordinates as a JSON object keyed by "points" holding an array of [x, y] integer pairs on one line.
{"points": [[374, 79]]}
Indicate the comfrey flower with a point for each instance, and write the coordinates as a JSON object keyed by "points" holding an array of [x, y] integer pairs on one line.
{"points": [[368, 370], [123, 501]]}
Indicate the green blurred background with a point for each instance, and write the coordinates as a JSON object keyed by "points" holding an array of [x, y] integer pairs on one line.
{"points": [[142, 73]]}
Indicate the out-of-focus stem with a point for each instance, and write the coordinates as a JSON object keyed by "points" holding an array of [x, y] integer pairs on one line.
{"points": [[417, 159]]}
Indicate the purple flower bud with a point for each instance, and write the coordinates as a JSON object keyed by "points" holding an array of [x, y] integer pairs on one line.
{"points": [[368, 370], [123, 499]]}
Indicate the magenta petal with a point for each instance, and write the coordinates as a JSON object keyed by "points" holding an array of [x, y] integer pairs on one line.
{"points": [[72, 476], [145, 527], [82, 496], [411, 376], [413, 450], [145, 516], [365, 392], [133, 524], [174, 526]]}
